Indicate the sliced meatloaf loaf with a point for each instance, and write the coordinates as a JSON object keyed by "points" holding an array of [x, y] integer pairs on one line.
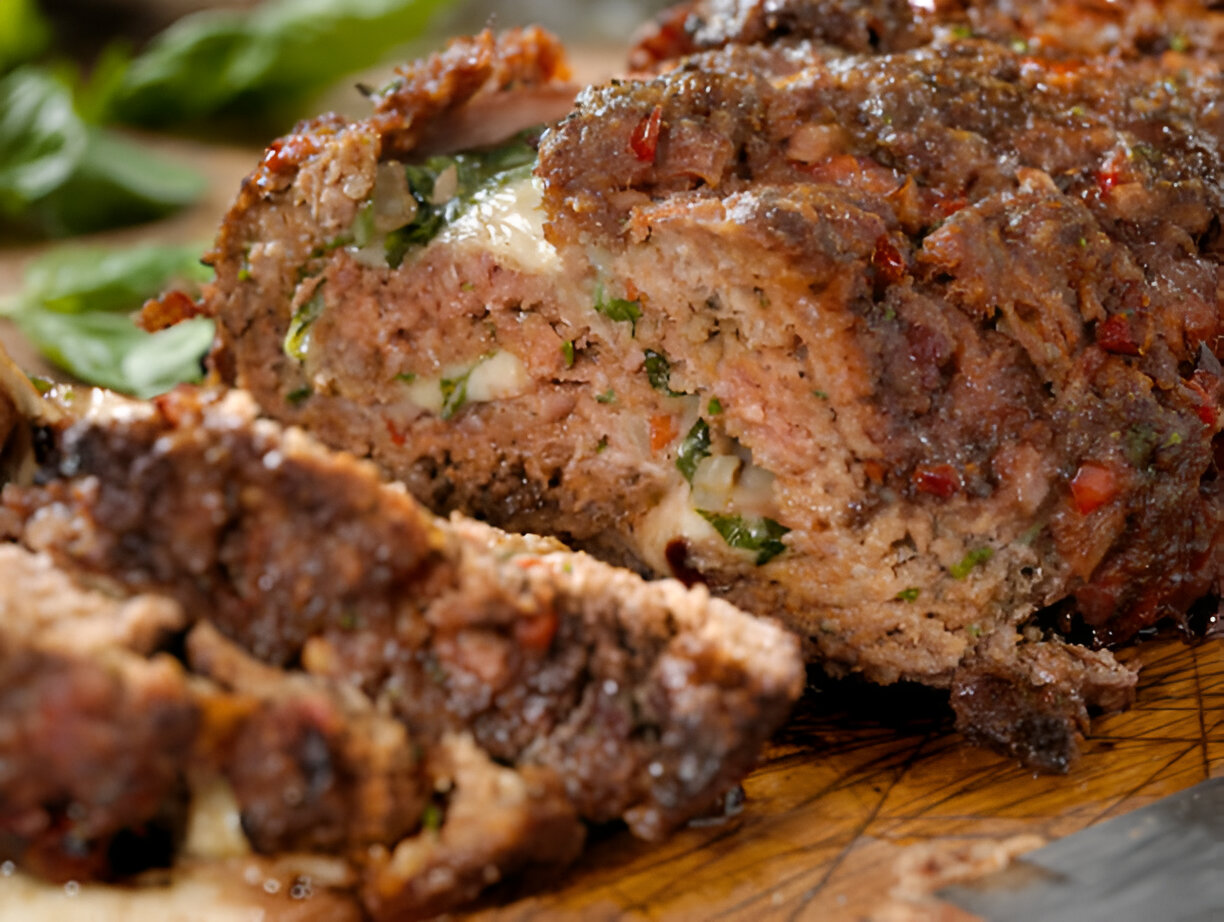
{"points": [[902, 326], [432, 704]]}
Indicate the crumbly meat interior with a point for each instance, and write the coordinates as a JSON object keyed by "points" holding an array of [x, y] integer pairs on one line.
{"points": [[901, 326], [429, 705]]}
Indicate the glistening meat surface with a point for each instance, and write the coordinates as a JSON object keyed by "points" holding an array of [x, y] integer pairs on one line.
{"points": [[904, 327]]}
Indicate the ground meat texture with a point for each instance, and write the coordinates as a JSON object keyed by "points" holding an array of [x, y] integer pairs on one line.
{"points": [[903, 327], [643, 701]]}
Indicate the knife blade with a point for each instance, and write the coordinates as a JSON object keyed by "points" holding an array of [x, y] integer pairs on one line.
{"points": [[1164, 861]]}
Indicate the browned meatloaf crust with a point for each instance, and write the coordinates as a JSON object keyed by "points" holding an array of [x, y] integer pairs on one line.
{"points": [[436, 703], [902, 327]]}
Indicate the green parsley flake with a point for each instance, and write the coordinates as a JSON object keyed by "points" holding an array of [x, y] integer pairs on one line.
{"points": [[694, 447], [618, 309], [908, 595], [757, 533], [966, 565], [658, 371]]}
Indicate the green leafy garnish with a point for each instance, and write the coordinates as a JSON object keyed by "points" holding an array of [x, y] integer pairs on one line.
{"points": [[567, 353], [715, 406], [658, 371], [694, 447], [755, 533], [24, 33], [966, 565], [262, 62], [461, 176], [297, 337], [608, 396], [454, 394], [60, 175], [908, 595], [618, 309], [76, 308]]}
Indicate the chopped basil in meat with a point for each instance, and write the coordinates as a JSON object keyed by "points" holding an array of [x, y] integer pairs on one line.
{"points": [[749, 533], [694, 447]]}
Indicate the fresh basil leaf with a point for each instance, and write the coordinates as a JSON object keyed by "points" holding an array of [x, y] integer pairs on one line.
{"points": [[60, 176], [78, 278], [694, 447], [749, 533], [109, 350], [76, 308], [117, 183], [264, 60], [42, 140], [24, 33]]}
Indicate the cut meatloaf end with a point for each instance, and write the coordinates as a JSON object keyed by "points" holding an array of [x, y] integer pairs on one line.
{"points": [[546, 687], [221, 772], [917, 350]]}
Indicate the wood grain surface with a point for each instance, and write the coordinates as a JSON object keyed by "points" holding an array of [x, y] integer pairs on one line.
{"points": [[861, 778], [858, 783]]}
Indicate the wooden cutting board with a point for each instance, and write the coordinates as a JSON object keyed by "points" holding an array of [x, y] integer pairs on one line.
{"points": [[860, 785], [853, 792]]}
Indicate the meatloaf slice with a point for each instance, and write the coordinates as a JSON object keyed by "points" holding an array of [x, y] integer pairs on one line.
{"points": [[907, 335], [602, 696]]}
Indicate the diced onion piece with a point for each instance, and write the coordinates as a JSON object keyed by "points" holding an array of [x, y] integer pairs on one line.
{"points": [[714, 481], [500, 376]]}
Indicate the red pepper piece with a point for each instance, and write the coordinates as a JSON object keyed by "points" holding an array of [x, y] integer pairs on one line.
{"points": [[645, 139], [1206, 409], [536, 632], [942, 480], [887, 261], [1114, 335], [1094, 485]]}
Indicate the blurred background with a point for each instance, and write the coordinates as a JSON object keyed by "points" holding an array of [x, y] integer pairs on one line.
{"points": [[126, 127]]}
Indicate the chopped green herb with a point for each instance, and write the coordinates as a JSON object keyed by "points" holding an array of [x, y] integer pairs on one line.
{"points": [[298, 396], [607, 396], [962, 31], [76, 307], [715, 407], [1019, 45], [42, 385], [1083, 241], [454, 394], [908, 595], [244, 274], [658, 370], [467, 286], [1139, 443], [431, 818], [602, 445], [694, 447], [363, 225], [1173, 439], [1178, 42], [966, 565], [406, 376], [567, 353], [820, 395], [472, 172], [297, 337], [262, 63], [759, 534], [973, 630], [618, 309]]}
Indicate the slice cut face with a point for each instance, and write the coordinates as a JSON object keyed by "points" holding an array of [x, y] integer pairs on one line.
{"points": [[904, 328], [433, 703]]}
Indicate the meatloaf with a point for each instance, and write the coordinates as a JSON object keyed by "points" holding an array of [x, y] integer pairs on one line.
{"points": [[901, 324], [428, 705]]}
